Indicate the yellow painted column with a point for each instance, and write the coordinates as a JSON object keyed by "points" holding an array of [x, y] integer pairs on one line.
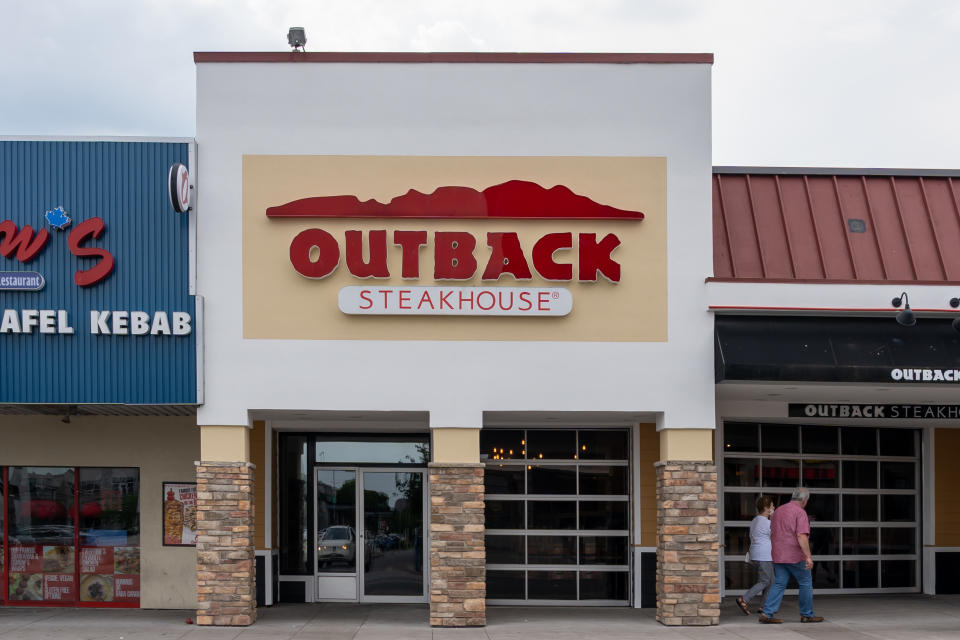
{"points": [[459, 446], [229, 443], [686, 444]]}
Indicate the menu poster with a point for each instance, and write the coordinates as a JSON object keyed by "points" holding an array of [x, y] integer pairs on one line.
{"points": [[26, 586], [126, 588], [42, 573], [28, 559], [96, 588], [58, 587], [96, 560], [110, 574], [179, 514]]}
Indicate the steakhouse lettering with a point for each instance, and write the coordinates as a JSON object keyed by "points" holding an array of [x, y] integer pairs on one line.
{"points": [[450, 300]]}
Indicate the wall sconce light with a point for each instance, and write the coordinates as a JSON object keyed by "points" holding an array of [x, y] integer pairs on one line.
{"points": [[71, 411], [906, 317], [955, 302]]}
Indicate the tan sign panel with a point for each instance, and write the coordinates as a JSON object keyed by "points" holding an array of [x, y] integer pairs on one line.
{"points": [[507, 248]]}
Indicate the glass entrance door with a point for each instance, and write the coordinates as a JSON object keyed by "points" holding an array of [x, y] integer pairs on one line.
{"points": [[369, 533], [337, 537], [393, 527]]}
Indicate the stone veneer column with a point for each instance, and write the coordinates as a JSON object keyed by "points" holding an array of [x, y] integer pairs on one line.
{"points": [[458, 585], [688, 550], [226, 568]]}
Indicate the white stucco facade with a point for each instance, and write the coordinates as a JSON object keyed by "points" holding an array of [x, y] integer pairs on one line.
{"points": [[436, 109]]}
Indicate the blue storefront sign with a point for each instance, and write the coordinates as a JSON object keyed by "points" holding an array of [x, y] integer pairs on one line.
{"points": [[95, 302]]}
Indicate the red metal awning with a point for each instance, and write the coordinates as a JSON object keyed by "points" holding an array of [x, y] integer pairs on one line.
{"points": [[836, 225]]}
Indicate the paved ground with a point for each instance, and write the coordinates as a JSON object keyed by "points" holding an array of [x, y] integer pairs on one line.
{"points": [[848, 617]]}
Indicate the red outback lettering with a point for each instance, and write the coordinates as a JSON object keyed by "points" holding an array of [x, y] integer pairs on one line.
{"points": [[328, 253], [595, 257], [410, 243], [543, 252], [315, 253], [453, 255], [506, 257], [376, 265]]}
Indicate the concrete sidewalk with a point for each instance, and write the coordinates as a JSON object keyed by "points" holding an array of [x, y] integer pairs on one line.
{"points": [[861, 617]]}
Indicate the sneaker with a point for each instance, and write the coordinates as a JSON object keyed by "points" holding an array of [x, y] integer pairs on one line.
{"points": [[763, 619], [811, 618]]}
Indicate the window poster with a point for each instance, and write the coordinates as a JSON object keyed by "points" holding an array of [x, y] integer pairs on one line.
{"points": [[179, 513], [110, 574], [42, 573], [72, 536]]}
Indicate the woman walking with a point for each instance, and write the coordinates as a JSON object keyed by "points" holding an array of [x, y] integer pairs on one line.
{"points": [[760, 553]]}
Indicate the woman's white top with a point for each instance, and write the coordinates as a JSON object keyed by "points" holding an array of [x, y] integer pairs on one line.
{"points": [[760, 548]]}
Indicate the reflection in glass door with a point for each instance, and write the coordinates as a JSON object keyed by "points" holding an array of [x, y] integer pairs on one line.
{"points": [[393, 534], [370, 547], [337, 539]]}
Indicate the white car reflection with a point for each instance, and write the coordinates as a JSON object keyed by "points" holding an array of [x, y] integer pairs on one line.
{"points": [[338, 545]]}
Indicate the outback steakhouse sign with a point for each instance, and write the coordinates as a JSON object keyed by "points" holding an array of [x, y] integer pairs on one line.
{"points": [[877, 411], [315, 253], [455, 236]]}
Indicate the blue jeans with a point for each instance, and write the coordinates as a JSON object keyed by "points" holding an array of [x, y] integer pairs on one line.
{"points": [[782, 573]]}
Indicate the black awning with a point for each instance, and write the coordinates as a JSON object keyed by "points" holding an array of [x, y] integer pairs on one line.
{"points": [[810, 349]]}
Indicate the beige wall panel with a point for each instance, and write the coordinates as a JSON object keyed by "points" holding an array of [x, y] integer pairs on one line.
{"points": [[257, 457], [230, 443], [163, 448], [649, 441], [280, 303], [686, 444], [946, 481], [460, 446]]}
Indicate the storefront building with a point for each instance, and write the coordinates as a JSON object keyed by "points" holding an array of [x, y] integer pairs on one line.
{"points": [[825, 378], [456, 329], [98, 392], [457, 337]]}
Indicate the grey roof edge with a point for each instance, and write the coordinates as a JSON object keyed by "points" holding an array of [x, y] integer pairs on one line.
{"points": [[46, 138], [834, 171]]}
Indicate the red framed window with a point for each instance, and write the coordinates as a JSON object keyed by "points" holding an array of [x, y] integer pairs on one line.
{"points": [[3, 534], [71, 536]]}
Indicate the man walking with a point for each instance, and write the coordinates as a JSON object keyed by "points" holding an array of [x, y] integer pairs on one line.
{"points": [[790, 537]]}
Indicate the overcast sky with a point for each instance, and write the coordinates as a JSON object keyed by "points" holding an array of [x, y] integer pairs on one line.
{"points": [[805, 83]]}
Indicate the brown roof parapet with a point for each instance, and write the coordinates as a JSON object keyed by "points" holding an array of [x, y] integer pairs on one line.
{"points": [[453, 57]]}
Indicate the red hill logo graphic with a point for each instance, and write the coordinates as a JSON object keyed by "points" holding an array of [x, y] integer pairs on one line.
{"points": [[513, 199]]}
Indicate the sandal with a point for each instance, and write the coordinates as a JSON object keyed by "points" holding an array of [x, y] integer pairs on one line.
{"points": [[743, 606]]}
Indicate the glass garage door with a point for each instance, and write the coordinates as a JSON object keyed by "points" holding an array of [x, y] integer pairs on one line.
{"points": [[557, 516], [864, 507]]}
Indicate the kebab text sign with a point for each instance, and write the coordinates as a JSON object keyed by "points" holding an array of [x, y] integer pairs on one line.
{"points": [[180, 514], [466, 247]]}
